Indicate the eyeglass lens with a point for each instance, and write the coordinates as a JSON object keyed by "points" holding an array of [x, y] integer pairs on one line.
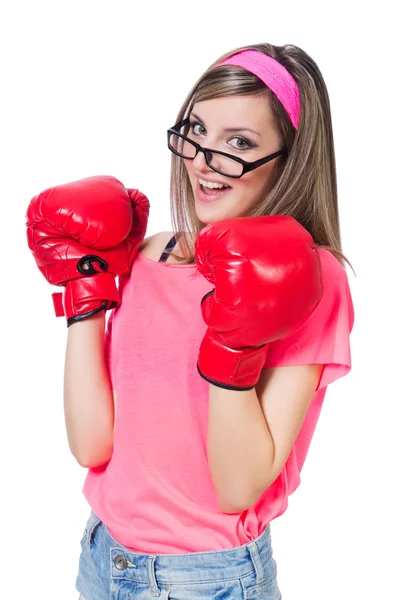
{"points": [[220, 163]]}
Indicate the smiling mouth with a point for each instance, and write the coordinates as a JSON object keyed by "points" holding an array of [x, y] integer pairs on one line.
{"points": [[214, 185], [212, 190], [211, 193]]}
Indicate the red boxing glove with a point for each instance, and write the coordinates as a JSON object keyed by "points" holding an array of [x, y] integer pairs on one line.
{"points": [[267, 277], [82, 235]]}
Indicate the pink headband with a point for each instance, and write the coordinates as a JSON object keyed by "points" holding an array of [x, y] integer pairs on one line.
{"points": [[274, 75]]}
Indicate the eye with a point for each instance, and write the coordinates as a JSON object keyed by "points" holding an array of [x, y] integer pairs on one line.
{"points": [[196, 128], [243, 145], [193, 127]]}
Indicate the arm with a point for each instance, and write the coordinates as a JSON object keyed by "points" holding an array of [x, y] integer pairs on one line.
{"points": [[266, 273], [83, 235], [88, 398], [251, 433]]}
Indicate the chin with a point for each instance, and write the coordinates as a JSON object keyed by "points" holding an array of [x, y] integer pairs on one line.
{"points": [[212, 214]]}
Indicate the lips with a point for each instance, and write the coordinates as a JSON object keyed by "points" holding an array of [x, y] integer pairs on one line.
{"points": [[212, 181], [210, 195]]}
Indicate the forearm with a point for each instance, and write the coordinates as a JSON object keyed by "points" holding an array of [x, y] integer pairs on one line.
{"points": [[240, 447], [88, 399]]}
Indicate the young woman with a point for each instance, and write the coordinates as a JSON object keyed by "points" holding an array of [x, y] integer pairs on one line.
{"points": [[195, 410]]}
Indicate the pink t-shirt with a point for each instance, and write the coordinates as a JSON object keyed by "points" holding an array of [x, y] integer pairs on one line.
{"points": [[156, 494]]}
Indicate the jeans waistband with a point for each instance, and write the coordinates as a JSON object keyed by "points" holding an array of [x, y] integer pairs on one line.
{"points": [[201, 566]]}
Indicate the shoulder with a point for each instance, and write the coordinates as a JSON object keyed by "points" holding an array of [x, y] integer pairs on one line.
{"points": [[334, 276], [324, 337], [336, 299], [153, 245], [330, 265]]}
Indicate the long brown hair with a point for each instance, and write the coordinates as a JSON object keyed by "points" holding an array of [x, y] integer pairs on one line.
{"points": [[304, 181]]}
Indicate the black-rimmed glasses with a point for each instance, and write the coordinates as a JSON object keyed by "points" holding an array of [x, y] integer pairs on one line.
{"points": [[221, 162]]}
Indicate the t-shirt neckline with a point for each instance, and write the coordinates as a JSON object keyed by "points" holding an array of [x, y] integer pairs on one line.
{"points": [[164, 264]]}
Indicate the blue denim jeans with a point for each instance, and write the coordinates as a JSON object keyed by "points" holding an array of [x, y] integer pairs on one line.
{"points": [[110, 571]]}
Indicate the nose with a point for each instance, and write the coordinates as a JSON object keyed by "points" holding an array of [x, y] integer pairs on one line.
{"points": [[200, 164]]}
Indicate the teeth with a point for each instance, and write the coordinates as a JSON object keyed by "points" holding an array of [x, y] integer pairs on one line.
{"points": [[211, 184]]}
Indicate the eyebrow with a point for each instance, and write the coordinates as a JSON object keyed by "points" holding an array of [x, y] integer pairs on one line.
{"points": [[228, 129]]}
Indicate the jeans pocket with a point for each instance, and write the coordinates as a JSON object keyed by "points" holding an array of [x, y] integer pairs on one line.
{"points": [[230, 589], [267, 588], [89, 531]]}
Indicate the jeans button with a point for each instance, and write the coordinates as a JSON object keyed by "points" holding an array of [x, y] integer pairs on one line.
{"points": [[120, 562]]}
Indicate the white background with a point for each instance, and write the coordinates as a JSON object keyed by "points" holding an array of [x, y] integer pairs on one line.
{"points": [[90, 88]]}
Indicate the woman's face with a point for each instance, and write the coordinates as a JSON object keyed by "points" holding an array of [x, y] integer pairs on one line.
{"points": [[254, 136]]}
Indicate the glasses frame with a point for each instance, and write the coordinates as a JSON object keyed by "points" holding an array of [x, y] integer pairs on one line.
{"points": [[247, 166]]}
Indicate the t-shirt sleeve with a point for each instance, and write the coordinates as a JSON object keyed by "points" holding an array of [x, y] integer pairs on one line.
{"points": [[324, 336]]}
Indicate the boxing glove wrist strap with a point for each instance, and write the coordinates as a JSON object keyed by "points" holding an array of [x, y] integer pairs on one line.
{"points": [[85, 297], [227, 367]]}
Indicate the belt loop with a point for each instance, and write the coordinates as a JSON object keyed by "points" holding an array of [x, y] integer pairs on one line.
{"points": [[152, 576], [256, 560]]}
